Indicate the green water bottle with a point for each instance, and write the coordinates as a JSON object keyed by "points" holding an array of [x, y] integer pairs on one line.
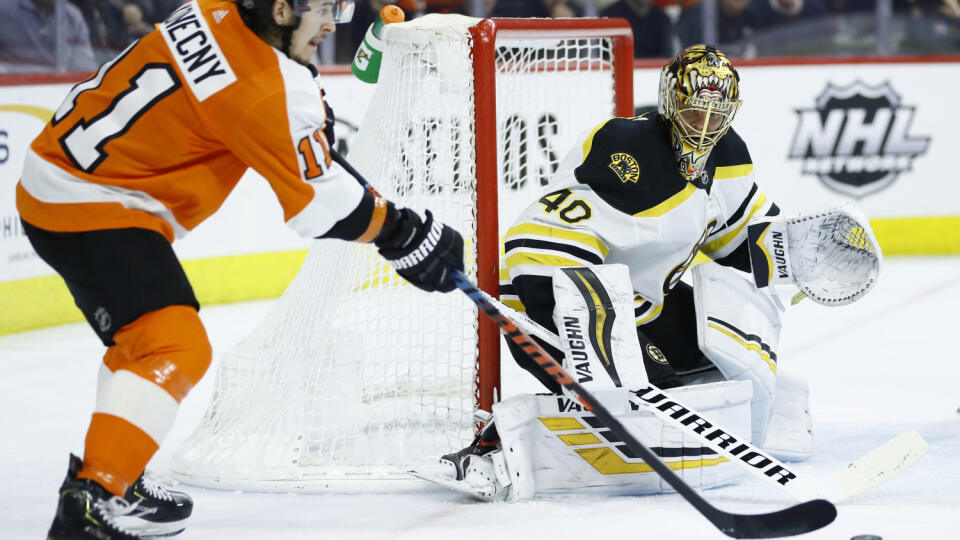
{"points": [[366, 63]]}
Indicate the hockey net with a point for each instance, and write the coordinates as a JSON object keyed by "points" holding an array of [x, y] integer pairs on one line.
{"points": [[354, 377]]}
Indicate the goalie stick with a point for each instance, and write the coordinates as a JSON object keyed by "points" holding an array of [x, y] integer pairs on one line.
{"points": [[798, 519], [871, 470]]}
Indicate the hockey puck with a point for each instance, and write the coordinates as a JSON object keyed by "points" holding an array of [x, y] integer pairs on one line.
{"points": [[866, 537]]}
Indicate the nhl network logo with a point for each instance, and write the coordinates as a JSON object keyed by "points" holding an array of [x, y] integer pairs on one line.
{"points": [[856, 139]]}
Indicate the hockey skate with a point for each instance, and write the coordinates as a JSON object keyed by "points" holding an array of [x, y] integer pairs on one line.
{"points": [[147, 510], [161, 510], [88, 511], [472, 470], [457, 463]]}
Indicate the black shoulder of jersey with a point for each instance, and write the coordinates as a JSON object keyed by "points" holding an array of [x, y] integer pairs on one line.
{"points": [[730, 151], [630, 164]]}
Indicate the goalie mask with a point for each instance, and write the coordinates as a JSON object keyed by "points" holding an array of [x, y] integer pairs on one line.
{"points": [[699, 96]]}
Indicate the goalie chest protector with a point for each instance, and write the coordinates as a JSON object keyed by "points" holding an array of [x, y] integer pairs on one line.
{"points": [[621, 186]]}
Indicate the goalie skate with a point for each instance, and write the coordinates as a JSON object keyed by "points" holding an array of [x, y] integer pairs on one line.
{"points": [[473, 470], [482, 474]]}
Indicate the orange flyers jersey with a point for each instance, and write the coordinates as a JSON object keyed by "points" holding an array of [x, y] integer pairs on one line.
{"points": [[160, 135]]}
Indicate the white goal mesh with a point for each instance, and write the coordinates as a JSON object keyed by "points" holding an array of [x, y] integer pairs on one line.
{"points": [[354, 377]]}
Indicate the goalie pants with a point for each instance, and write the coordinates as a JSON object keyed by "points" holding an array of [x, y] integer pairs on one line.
{"points": [[135, 295], [673, 332]]}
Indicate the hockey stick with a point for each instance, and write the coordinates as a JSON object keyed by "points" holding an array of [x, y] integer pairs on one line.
{"points": [[338, 157], [798, 519], [871, 470]]}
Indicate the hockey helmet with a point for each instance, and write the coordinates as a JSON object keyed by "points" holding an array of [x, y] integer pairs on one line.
{"points": [[699, 96], [337, 11]]}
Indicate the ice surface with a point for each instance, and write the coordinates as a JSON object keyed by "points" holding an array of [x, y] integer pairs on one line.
{"points": [[876, 368]]}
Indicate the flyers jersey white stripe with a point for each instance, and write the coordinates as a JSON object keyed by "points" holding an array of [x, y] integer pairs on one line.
{"points": [[48, 183]]}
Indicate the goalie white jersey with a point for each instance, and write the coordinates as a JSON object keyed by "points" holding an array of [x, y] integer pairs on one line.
{"points": [[618, 197]]}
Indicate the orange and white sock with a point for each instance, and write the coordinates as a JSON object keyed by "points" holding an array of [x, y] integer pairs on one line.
{"points": [[157, 359]]}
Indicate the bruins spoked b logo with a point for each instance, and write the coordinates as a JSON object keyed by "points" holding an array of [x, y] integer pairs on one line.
{"points": [[856, 139], [625, 167], [656, 354]]}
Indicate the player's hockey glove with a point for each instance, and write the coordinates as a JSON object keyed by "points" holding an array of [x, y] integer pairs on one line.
{"points": [[422, 252]]}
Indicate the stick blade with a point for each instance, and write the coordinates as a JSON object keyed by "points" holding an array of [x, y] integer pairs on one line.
{"points": [[880, 465], [798, 519]]}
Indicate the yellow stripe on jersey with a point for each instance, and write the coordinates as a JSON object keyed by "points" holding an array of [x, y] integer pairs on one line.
{"points": [[669, 204], [515, 305], [587, 240], [721, 242], [732, 171], [651, 315], [588, 143], [749, 346]]}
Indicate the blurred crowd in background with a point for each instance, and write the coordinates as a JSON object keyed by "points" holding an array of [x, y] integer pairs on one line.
{"points": [[79, 35]]}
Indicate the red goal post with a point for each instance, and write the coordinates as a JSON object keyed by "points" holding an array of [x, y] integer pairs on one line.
{"points": [[485, 35]]}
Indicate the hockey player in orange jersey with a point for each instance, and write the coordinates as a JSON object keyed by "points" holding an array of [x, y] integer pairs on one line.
{"points": [[143, 152]]}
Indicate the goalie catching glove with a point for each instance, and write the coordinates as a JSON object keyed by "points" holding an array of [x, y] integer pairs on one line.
{"points": [[422, 252], [831, 255]]}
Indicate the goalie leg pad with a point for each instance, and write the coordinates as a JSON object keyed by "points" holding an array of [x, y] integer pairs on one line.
{"points": [[738, 329], [790, 432], [595, 320], [552, 445]]}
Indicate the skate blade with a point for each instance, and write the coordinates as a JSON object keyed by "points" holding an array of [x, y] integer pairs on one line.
{"points": [[151, 529], [458, 486]]}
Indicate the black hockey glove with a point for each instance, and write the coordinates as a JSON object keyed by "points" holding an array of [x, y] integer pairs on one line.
{"points": [[331, 119], [423, 252]]}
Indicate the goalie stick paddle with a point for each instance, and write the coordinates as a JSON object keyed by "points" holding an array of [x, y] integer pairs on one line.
{"points": [[798, 519]]}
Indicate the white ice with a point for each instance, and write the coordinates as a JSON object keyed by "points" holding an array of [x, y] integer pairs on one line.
{"points": [[880, 366]]}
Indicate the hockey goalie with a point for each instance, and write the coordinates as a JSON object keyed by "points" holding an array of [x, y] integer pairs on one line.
{"points": [[597, 263]]}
